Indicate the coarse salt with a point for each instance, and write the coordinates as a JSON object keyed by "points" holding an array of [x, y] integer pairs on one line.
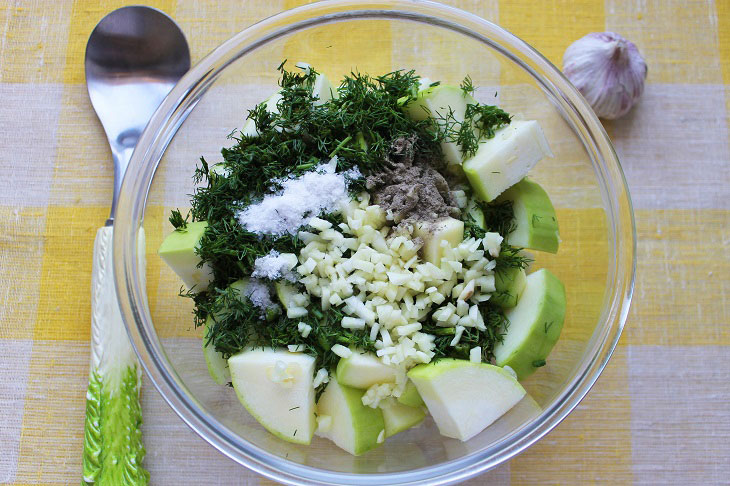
{"points": [[273, 266], [298, 200], [258, 293]]}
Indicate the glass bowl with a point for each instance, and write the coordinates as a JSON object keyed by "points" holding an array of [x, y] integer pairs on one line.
{"points": [[596, 260]]}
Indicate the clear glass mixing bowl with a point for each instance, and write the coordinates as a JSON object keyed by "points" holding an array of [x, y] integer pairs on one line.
{"points": [[596, 260]]}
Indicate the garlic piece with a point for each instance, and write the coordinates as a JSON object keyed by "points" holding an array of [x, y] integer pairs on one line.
{"points": [[608, 71]]}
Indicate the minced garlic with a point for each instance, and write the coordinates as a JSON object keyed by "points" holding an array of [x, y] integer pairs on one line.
{"points": [[381, 283]]}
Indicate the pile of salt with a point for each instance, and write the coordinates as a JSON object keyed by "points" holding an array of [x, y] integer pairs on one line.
{"points": [[259, 295], [300, 199], [273, 266]]}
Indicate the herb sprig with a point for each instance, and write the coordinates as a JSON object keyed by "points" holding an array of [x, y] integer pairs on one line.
{"points": [[177, 221], [479, 122]]}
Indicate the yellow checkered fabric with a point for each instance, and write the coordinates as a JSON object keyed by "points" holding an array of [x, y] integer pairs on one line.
{"points": [[658, 415]]}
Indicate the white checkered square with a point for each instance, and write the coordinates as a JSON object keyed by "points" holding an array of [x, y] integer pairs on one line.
{"points": [[14, 369], [679, 403], [29, 116], [674, 148]]}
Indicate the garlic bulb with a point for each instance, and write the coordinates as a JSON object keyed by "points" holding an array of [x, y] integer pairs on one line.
{"points": [[608, 70]]}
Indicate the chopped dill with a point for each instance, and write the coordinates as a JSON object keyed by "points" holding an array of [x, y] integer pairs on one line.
{"points": [[231, 250], [511, 257], [486, 119], [177, 221], [467, 86], [480, 122], [498, 216], [471, 227]]}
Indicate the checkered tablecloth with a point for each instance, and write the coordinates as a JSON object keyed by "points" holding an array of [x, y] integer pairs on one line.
{"points": [[660, 413]]}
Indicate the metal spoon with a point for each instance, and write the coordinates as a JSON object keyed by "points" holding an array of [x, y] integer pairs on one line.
{"points": [[134, 57]]}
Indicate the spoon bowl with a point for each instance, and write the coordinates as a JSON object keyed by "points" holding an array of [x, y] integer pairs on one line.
{"points": [[135, 55]]}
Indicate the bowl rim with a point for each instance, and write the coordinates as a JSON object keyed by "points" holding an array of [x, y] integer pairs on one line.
{"points": [[181, 101]]}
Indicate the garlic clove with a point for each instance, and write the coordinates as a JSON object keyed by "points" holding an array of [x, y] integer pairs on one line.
{"points": [[608, 70]]}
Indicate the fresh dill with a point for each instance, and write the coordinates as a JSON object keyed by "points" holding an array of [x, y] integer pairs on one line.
{"points": [[511, 257], [231, 250], [480, 122], [467, 86], [301, 136], [498, 216], [472, 229], [177, 221], [487, 119]]}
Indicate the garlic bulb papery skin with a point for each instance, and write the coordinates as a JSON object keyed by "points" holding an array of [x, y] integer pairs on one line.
{"points": [[608, 71]]}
